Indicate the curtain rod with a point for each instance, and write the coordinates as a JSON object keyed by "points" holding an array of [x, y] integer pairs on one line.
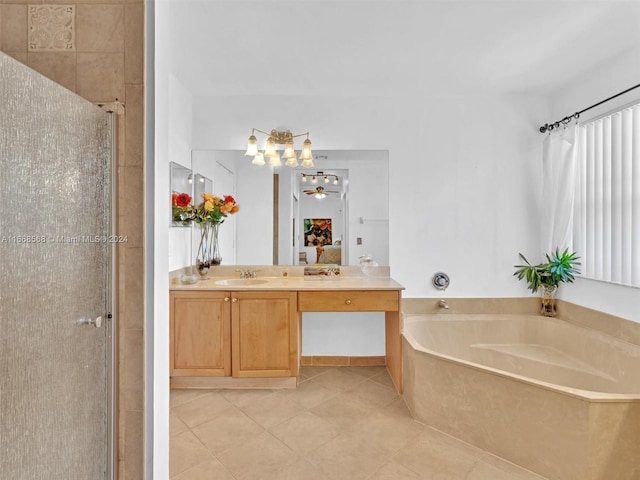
{"points": [[566, 120]]}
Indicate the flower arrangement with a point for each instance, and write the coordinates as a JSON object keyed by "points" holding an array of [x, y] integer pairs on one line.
{"points": [[212, 209]]}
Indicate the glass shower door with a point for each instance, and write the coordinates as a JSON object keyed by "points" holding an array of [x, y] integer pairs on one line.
{"points": [[55, 296]]}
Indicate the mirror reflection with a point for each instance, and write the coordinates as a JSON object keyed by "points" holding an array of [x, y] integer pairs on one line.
{"points": [[181, 181], [334, 212]]}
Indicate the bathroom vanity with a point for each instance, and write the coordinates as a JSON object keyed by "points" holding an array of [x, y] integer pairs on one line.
{"points": [[228, 332]]}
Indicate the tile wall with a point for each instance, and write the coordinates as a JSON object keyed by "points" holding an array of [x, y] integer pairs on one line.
{"points": [[96, 49]]}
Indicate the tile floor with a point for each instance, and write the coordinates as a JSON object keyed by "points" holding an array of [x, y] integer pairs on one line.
{"points": [[341, 423]]}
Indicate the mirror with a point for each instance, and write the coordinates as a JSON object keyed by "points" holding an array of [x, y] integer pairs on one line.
{"points": [[276, 203], [181, 181], [201, 184]]}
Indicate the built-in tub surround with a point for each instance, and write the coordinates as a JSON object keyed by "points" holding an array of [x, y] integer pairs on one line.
{"points": [[548, 395]]}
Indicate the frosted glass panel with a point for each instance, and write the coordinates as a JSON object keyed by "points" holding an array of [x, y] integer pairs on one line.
{"points": [[55, 153]]}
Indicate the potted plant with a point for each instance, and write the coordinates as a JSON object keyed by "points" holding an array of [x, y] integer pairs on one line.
{"points": [[559, 268]]}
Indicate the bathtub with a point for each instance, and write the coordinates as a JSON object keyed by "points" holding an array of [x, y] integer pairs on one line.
{"points": [[558, 399]]}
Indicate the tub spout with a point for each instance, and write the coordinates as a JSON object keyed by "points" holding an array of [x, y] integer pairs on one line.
{"points": [[443, 304]]}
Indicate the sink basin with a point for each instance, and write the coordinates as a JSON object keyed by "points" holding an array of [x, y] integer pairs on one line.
{"points": [[241, 281]]}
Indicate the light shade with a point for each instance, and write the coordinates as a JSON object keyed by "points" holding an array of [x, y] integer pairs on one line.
{"points": [[306, 150], [274, 160], [291, 162], [307, 163], [289, 152], [258, 159], [252, 146], [270, 148]]}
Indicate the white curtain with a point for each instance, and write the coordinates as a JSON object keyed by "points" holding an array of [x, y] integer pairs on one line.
{"points": [[559, 158]]}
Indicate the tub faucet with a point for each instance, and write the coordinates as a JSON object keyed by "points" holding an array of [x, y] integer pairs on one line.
{"points": [[443, 304]]}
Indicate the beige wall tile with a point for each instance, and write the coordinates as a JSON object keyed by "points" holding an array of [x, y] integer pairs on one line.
{"points": [[130, 292], [133, 370], [58, 66], [134, 43], [52, 28], [100, 76], [13, 28], [130, 194], [100, 28], [130, 198], [76, 2], [134, 445], [134, 125], [21, 57]]}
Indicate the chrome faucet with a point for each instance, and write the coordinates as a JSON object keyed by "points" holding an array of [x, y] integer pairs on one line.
{"points": [[443, 304]]}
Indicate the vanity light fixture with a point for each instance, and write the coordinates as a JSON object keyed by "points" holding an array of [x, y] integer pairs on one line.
{"points": [[275, 138], [326, 177]]}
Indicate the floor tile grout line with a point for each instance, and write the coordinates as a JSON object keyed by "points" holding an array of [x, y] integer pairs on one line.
{"points": [[342, 428], [206, 420], [210, 453], [230, 447]]}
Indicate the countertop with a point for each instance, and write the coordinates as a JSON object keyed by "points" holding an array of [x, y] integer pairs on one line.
{"points": [[350, 278]]}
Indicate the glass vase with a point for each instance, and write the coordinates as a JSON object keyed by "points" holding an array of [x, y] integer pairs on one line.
{"points": [[208, 249], [548, 300]]}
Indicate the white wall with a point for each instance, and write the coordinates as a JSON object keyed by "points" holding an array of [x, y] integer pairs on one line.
{"points": [[589, 88], [463, 173], [463, 176], [178, 149]]}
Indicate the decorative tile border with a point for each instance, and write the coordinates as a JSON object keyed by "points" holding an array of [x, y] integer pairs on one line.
{"points": [[52, 28]]}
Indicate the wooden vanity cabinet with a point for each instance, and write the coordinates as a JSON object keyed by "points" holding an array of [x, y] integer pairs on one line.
{"points": [[240, 334], [200, 333], [264, 332]]}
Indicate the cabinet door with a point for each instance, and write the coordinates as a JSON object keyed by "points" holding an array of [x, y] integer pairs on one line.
{"points": [[200, 339], [265, 334]]}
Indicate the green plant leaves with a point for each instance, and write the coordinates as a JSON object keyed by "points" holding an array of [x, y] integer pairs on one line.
{"points": [[559, 268]]}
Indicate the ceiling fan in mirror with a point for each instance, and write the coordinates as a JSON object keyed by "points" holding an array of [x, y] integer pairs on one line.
{"points": [[319, 192]]}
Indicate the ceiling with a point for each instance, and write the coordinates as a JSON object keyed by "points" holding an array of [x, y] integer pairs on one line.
{"points": [[362, 47]]}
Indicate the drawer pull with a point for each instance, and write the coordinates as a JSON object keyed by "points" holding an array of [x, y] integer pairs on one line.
{"points": [[235, 300], [347, 301], [226, 299]]}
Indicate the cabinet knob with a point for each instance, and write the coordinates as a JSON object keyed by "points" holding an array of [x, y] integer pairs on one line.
{"points": [[235, 300], [226, 299], [347, 301]]}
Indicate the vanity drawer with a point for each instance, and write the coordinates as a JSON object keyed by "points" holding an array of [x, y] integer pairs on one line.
{"points": [[349, 301]]}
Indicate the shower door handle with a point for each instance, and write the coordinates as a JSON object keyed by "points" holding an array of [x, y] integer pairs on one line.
{"points": [[96, 322]]}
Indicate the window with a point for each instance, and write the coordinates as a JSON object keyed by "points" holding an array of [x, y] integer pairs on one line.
{"points": [[606, 227]]}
